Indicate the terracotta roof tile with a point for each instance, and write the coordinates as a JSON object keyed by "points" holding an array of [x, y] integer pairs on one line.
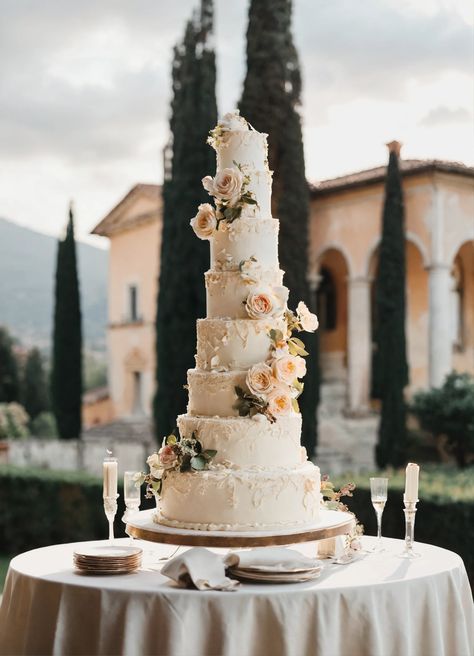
{"points": [[118, 220], [375, 175]]}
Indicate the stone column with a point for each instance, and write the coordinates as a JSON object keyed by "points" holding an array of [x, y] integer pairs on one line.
{"points": [[440, 337], [359, 346]]}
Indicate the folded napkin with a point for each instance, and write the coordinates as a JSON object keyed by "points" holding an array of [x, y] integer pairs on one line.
{"points": [[278, 559], [201, 568]]}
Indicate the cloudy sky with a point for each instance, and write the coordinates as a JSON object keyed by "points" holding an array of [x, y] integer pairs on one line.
{"points": [[84, 92]]}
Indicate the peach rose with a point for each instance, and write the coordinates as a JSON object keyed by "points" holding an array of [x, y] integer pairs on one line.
{"points": [[266, 302], [205, 222], [226, 185], [289, 367], [167, 456], [279, 402], [260, 380], [309, 321]]}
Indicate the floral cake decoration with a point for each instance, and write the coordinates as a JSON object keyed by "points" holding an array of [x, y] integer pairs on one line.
{"points": [[274, 385], [176, 454]]}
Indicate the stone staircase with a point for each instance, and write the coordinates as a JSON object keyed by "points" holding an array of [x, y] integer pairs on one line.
{"points": [[345, 444]]}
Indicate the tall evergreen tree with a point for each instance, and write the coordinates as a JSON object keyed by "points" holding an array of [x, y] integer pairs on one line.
{"points": [[181, 298], [66, 375], [270, 102], [390, 366], [9, 377], [35, 390]]}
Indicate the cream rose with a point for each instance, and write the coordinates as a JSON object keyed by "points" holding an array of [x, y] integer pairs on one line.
{"points": [[279, 402], [154, 463], [167, 456], [205, 222], [260, 380], [266, 303], [309, 321], [225, 186], [288, 368]]}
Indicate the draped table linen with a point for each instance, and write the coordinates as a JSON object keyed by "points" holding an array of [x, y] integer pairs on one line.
{"points": [[380, 605]]}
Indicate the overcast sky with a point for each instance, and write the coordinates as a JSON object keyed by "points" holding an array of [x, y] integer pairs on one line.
{"points": [[85, 90]]}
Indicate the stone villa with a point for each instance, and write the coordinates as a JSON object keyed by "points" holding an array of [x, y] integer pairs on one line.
{"points": [[345, 227]]}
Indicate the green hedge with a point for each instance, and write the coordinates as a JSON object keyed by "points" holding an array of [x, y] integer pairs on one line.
{"points": [[445, 514], [41, 507]]}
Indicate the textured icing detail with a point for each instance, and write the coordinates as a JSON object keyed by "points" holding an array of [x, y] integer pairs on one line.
{"points": [[245, 147], [245, 441], [260, 186], [243, 239], [241, 499], [212, 393], [226, 344], [226, 292]]}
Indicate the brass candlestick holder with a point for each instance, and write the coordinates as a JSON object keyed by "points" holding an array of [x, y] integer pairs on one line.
{"points": [[410, 512]]}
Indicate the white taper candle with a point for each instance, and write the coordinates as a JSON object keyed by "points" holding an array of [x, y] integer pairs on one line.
{"points": [[411, 482], [110, 471]]}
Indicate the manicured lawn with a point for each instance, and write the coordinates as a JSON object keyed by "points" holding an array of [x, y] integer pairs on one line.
{"points": [[4, 561]]}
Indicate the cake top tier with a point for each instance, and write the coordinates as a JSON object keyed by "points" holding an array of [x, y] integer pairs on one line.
{"points": [[237, 144]]}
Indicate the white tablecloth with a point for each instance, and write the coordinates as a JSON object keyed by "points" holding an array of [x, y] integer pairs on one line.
{"points": [[379, 605]]}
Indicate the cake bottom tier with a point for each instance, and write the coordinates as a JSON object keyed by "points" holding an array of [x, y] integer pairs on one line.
{"points": [[251, 499]]}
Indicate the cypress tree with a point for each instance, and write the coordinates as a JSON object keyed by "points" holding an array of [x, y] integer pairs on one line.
{"points": [[390, 366], [9, 377], [270, 102], [66, 375], [35, 390], [184, 259]]}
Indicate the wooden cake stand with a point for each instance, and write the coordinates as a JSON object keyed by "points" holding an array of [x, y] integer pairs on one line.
{"points": [[331, 524]]}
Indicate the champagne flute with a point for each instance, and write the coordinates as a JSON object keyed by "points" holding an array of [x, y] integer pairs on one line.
{"points": [[378, 495], [131, 493]]}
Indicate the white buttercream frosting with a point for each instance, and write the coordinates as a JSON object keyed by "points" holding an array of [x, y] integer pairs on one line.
{"points": [[249, 441], [226, 344], [227, 291], [244, 239], [230, 499]]}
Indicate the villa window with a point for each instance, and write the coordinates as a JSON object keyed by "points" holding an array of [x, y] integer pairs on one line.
{"points": [[133, 303], [327, 301], [137, 408]]}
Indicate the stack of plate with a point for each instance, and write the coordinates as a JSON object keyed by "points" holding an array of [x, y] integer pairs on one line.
{"points": [[275, 573], [107, 559]]}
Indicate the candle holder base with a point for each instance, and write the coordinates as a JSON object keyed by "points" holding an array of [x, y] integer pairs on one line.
{"points": [[410, 513]]}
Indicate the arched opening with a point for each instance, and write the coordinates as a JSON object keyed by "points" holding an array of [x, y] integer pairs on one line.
{"points": [[462, 308], [331, 303]]}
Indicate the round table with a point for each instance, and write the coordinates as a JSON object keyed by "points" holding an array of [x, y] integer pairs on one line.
{"points": [[378, 605]]}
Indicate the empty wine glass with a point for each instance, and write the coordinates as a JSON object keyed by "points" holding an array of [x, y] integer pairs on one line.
{"points": [[131, 493], [378, 495]]}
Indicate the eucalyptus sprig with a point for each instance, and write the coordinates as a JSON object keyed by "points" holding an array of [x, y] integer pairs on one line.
{"points": [[249, 405]]}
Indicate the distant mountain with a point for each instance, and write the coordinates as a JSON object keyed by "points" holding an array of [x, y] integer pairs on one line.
{"points": [[27, 265]]}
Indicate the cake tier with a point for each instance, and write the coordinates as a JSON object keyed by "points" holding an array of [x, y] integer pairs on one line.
{"points": [[241, 499], [246, 442], [212, 393], [260, 186], [243, 239], [226, 344], [227, 291], [246, 148]]}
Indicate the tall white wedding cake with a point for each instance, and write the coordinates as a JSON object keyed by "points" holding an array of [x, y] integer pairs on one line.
{"points": [[236, 462]]}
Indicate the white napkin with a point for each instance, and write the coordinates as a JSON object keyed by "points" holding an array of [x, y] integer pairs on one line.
{"points": [[201, 568], [278, 559]]}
